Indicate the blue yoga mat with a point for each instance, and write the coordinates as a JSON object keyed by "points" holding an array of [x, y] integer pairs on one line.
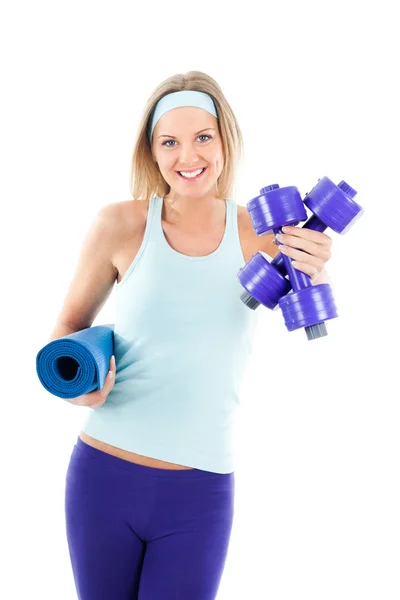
{"points": [[77, 363]]}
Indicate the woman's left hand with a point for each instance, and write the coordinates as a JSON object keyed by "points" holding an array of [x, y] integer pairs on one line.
{"points": [[309, 250]]}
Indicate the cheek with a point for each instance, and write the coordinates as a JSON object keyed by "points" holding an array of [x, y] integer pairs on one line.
{"points": [[219, 158], [219, 162], [216, 159], [166, 165]]}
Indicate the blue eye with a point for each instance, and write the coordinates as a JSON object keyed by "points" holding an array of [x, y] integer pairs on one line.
{"points": [[204, 135]]}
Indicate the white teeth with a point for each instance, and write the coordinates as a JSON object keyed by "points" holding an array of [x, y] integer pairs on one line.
{"points": [[190, 175]]}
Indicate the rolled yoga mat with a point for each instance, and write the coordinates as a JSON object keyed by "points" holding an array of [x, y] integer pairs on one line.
{"points": [[77, 363]]}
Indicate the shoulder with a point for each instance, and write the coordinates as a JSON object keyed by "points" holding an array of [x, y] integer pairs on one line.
{"points": [[249, 238], [119, 218], [115, 212]]}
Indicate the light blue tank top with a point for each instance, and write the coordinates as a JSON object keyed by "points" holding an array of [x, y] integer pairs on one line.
{"points": [[182, 340]]}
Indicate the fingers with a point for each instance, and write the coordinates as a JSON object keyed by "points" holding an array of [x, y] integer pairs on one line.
{"points": [[321, 250], [306, 268], [96, 398], [308, 248], [300, 244], [318, 237], [107, 387], [110, 379], [315, 263]]}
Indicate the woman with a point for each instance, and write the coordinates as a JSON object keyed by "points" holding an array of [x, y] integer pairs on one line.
{"points": [[150, 485]]}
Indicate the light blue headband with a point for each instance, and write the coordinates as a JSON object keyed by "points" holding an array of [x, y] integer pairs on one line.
{"points": [[179, 99]]}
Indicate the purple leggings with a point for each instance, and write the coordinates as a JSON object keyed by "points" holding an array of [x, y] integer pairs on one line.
{"points": [[140, 533]]}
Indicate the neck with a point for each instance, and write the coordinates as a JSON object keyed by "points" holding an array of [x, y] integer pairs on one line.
{"points": [[182, 210]]}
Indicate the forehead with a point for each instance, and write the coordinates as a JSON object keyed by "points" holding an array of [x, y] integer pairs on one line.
{"points": [[184, 119]]}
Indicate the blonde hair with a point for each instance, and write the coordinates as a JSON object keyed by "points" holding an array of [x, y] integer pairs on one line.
{"points": [[145, 177]]}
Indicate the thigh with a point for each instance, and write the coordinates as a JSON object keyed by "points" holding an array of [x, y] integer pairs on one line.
{"points": [[189, 538], [106, 553]]}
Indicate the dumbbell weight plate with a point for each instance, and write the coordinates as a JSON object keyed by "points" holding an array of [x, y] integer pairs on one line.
{"points": [[308, 308], [334, 204], [262, 282], [276, 207]]}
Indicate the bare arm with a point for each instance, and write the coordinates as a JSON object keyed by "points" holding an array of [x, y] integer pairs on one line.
{"points": [[94, 276], [60, 330]]}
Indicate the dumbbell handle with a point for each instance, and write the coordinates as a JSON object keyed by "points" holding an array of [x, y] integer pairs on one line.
{"points": [[283, 263]]}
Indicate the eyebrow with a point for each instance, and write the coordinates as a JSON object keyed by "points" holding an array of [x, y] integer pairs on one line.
{"points": [[197, 133]]}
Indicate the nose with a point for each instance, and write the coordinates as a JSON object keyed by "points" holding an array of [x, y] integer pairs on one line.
{"points": [[188, 155]]}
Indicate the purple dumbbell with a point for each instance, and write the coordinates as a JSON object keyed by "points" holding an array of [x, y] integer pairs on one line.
{"points": [[265, 282]]}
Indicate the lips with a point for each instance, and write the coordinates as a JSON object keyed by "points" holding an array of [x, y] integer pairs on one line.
{"points": [[192, 178]]}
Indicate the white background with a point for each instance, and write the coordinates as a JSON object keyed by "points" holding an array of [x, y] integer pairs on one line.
{"points": [[315, 89]]}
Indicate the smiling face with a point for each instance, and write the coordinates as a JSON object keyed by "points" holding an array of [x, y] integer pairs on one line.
{"points": [[187, 139]]}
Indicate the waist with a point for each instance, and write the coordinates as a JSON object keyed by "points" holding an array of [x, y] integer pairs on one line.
{"points": [[139, 459]]}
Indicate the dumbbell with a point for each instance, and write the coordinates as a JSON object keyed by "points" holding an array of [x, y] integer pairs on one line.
{"points": [[329, 204], [265, 282]]}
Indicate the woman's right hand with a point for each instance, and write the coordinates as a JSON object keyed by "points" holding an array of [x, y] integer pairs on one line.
{"points": [[96, 398]]}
